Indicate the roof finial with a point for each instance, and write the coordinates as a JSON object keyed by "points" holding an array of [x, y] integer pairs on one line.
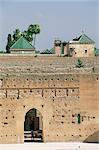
{"points": [[82, 31]]}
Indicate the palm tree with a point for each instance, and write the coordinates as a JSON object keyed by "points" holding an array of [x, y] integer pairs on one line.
{"points": [[36, 31], [29, 34], [33, 30]]}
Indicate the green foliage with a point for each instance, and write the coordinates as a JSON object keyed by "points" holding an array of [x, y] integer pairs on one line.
{"points": [[79, 64], [9, 43], [2, 52], [16, 35], [29, 34], [37, 52], [33, 30]]}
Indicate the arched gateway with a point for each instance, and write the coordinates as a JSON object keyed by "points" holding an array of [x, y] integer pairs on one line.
{"points": [[33, 126]]}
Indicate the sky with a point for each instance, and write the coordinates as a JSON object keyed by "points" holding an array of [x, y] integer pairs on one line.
{"points": [[58, 19]]}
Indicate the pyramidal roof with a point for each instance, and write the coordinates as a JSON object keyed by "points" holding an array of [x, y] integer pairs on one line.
{"points": [[22, 43], [46, 52], [84, 39], [52, 50]]}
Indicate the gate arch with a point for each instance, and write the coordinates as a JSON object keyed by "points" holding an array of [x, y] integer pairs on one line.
{"points": [[33, 126], [25, 105]]}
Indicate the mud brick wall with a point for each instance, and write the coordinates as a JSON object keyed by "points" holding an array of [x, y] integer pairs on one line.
{"points": [[59, 96]]}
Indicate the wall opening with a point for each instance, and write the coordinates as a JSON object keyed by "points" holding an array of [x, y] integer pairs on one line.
{"points": [[79, 118], [33, 126]]}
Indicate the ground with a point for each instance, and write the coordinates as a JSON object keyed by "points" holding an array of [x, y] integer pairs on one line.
{"points": [[50, 146]]}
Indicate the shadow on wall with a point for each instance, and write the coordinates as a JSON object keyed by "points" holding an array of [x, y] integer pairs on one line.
{"points": [[93, 138]]}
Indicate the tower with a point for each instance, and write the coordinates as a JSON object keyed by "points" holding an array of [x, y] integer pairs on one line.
{"points": [[58, 47]]}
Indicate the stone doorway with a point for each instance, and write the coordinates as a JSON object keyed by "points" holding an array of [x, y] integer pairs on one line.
{"points": [[33, 126]]}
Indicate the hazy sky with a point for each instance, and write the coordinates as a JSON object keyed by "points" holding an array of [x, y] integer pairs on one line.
{"points": [[58, 19]]}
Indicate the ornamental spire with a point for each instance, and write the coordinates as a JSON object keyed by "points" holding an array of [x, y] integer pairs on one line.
{"points": [[82, 31]]}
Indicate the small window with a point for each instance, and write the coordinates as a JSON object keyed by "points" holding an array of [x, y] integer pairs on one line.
{"points": [[1, 82], [79, 118], [85, 51], [75, 53]]}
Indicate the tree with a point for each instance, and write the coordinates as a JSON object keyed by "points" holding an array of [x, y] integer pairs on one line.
{"points": [[16, 35], [79, 64], [29, 34], [11, 39], [2, 52], [33, 30], [9, 43], [26, 35]]}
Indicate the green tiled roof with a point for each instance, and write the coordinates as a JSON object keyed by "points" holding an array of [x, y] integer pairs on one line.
{"points": [[22, 43], [46, 52], [96, 52], [52, 50], [84, 39]]}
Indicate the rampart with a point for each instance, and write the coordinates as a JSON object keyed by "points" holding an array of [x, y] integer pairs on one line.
{"points": [[54, 86]]}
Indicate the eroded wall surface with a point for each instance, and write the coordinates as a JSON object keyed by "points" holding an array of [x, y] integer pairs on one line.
{"points": [[55, 87]]}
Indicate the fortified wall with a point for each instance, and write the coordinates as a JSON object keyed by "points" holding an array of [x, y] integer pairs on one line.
{"points": [[54, 86]]}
